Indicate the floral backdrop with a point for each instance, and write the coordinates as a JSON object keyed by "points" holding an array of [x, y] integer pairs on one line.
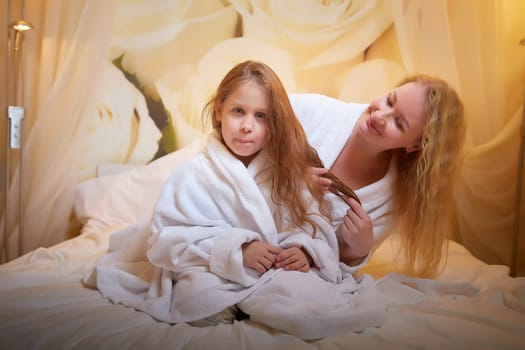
{"points": [[135, 75], [168, 57]]}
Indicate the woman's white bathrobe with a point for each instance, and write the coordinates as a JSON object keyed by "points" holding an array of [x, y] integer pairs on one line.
{"points": [[208, 208], [328, 124]]}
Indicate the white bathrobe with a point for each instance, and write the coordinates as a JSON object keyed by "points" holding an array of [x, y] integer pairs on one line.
{"points": [[307, 305], [328, 124], [208, 208]]}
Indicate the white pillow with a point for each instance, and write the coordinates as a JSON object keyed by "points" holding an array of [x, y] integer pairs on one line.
{"points": [[127, 197]]}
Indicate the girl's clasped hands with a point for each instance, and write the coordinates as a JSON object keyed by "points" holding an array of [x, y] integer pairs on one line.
{"points": [[262, 256]]}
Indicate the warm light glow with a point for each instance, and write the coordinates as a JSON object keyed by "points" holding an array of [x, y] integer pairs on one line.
{"points": [[21, 26]]}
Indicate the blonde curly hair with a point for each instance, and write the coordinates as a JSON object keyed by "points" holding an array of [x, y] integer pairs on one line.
{"points": [[423, 194]]}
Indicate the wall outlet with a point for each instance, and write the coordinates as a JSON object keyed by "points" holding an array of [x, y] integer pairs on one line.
{"points": [[16, 114]]}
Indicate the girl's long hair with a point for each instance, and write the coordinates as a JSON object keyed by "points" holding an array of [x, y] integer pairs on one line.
{"points": [[287, 146], [423, 195]]}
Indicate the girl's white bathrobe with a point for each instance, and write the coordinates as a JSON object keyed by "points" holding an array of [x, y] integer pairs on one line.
{"points": [[208, 208]]}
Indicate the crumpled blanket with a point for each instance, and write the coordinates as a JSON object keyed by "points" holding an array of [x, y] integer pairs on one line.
{"points": [[187, 263]]}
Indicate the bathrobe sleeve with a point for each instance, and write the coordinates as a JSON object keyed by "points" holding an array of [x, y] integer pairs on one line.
{"points": [[324, 259], [192, 225], [322, 247]]}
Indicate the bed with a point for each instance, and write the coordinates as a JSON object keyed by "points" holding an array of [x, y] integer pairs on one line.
{"points": [[44, 305]]}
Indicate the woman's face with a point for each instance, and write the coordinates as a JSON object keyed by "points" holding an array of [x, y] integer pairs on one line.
{"points": [[396, 119], [243, 117]]}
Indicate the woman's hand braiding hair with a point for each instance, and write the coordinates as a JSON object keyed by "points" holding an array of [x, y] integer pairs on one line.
{"points": [[337, 187]]}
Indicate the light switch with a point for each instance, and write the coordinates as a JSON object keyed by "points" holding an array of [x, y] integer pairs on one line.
{"points": [[16, 114]]}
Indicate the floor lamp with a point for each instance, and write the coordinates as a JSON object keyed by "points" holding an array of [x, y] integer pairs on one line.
{"points": [[517, 208], [16, 114]]}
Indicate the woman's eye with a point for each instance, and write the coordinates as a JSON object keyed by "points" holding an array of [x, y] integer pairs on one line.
{"points": [[389, 101], [237, 110]]}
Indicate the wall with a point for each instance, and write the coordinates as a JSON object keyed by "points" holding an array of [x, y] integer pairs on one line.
{"points": [[123, 82]]}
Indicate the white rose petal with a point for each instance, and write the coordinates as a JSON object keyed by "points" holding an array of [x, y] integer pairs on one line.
{"points": [[184, 132], [121, 122], [385, 47], [317, 32], [202, 84], [370, 79], [156, 35]]}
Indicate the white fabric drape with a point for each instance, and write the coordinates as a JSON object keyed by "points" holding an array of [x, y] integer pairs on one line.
{"points": [[63, 54], [474, 44]]}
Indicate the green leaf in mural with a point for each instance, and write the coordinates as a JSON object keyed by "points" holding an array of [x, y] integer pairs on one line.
{"points": [[161, 117]]}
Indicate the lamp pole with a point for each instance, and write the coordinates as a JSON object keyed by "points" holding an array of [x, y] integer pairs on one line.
{"points": [[16, 114], [517, 208]]}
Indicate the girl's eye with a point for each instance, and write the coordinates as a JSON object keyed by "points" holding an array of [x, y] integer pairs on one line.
{"points": [[399, 125], [260, 115], [237, 110]]}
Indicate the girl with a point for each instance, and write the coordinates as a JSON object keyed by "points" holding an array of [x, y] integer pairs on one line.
{"points": [[243, 205], [243, 223]]}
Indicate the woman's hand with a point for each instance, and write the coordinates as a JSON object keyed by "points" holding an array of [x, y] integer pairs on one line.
{"points": [[356, 233], [324, 182], [294, 259], [259, 256]]}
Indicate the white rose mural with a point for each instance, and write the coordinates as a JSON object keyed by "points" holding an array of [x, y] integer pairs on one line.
{"points": [[121, 123], [151, 38], [173, 53], [326, 37], [375, 76], [155, 35], [185, 103], [381, 70]]}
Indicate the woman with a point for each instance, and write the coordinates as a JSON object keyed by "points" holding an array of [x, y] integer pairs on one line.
{"points": [[401, 155]]}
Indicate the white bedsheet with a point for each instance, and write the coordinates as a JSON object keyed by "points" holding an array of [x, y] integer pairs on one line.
{"points": [[44, 306]]}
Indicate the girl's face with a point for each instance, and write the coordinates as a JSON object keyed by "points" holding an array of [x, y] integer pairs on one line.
{"points": [[396, 119], [243, 116]]}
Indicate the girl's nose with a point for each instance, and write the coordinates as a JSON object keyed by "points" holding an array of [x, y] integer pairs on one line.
{"points": [[246, 125]]}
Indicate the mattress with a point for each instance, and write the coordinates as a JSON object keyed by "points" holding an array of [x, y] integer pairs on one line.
{"points": [[44, 305]]}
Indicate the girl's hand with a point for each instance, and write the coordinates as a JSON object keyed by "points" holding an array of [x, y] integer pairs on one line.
{"points": [[356, 232], [259, 256], [294, 259], [324, 183]]}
